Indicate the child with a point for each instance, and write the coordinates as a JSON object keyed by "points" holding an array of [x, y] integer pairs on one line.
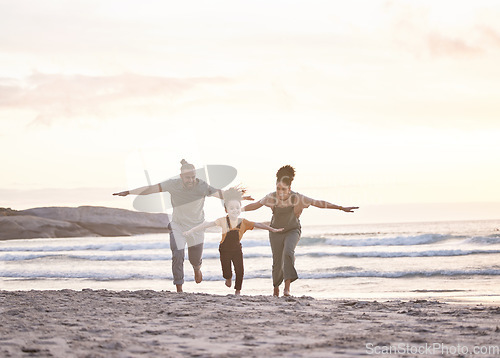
{"points": [[233, 229]]}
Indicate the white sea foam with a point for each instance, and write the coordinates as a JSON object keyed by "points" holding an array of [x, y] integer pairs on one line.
{"points": [[389, 254], [117, 246], [424, 239], [461, 253], [403, 274], [130, 256], [484, 240], [341, 273]]}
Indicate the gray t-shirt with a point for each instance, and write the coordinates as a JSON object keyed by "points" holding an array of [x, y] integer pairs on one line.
{"points": [[187, 203]]}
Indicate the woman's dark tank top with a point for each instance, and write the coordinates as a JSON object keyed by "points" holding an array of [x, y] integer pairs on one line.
{"points": [[285, 217]]}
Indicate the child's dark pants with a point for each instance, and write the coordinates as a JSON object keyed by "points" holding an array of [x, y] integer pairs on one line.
{"points": [[230, 251]]}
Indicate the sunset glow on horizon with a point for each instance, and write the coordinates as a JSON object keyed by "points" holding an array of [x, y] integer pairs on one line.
{"points": [[375, 103]]}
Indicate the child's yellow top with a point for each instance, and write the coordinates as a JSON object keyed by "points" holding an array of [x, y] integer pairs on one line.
{"points": [[243, 225]]}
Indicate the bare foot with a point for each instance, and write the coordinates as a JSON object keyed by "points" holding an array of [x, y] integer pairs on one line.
{"points": [[229, 282], [237, 292], [179, 288], [276, 292], [198, 277], [286, 290]]}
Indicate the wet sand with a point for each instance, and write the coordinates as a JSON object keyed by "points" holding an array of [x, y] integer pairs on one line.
{"points": [[102, 323]]}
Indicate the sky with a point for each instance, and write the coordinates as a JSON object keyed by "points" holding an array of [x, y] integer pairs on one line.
{"points": [[387, 105]]}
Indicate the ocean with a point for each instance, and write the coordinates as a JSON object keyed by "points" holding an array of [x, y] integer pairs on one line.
{"points": [[451, 261]]}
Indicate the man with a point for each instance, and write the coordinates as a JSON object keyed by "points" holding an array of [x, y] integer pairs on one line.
{"points": [[188, 197]]}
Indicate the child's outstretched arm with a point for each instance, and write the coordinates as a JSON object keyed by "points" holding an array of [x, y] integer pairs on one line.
{"points": [[266, 227], [202, 226]]}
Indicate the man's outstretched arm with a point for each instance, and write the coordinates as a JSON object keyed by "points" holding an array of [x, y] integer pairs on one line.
{"points": [[143, 190]]}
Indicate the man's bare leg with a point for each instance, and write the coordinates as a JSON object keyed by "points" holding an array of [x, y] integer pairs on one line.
{"points": [[276, 292], [198, 277], [229, 282], [286, 291], [179, 288]]}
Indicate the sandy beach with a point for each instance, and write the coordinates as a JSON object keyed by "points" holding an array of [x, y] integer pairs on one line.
{"points": [[102, 323]]}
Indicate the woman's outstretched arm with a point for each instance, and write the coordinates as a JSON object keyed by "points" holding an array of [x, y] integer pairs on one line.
{"points": [[258, 204], [252, 206], [322, 204]]}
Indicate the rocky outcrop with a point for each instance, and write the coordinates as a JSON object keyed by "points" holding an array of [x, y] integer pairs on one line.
{"points": [[51, 222]]}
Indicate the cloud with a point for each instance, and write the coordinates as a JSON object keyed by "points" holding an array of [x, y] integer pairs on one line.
{"points": [[438, 30], [440, 45], [490, 36], [61, 97]]}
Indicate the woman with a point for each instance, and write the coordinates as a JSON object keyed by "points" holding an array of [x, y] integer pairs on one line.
{"points": [[287, 207]]}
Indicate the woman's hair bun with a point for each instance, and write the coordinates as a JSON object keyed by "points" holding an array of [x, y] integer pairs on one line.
{"points": [[285, 174], [183, 161]]}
